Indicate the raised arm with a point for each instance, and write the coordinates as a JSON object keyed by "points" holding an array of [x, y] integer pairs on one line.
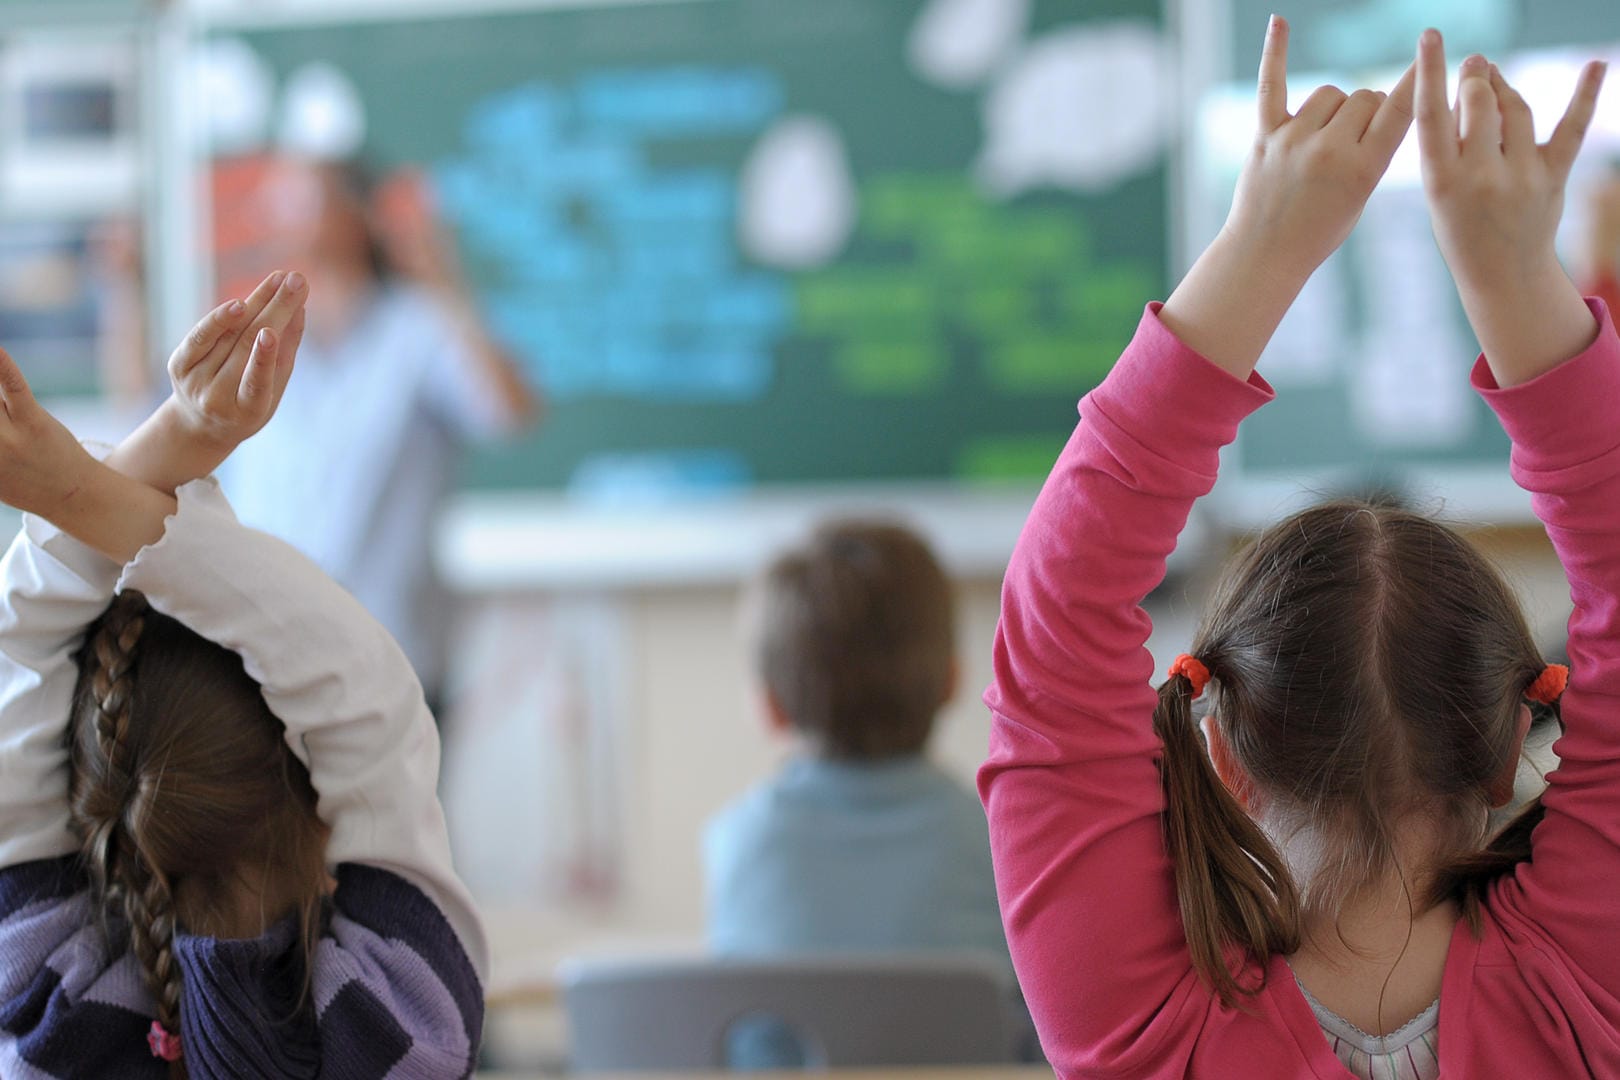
{"points": [[351, 704], [1496, 198], [54, 587], [348, 696], [84, 518], [1301, 191], [228, 376], [1551, 370], [1071, 784]]}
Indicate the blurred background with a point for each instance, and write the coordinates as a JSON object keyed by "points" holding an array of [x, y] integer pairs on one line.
{"points": [[708, 271]]}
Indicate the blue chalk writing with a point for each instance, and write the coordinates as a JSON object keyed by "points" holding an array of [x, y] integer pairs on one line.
{"points": [[637, 479], [619, 273]]}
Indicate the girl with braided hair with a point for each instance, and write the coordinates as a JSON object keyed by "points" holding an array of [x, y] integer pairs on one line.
{"points": [[1309, 887], [221, 852]]}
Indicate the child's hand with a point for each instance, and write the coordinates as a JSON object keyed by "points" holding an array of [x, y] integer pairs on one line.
{"points": [[1496, 198], [228, 376], [42, 466], [1301, 191], [1309, 175], [44, 471], [229, 372]]}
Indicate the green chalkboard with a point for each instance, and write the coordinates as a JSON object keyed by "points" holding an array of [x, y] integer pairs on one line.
{"points": [[676, 290]]}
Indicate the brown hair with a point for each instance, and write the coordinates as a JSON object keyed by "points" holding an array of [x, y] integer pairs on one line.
{"points": [[1368, 664], [857, 639], [181, 783]]}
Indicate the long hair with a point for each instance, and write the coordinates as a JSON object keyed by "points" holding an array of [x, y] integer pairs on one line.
{"points": [[183, 792], [1368, 664]]}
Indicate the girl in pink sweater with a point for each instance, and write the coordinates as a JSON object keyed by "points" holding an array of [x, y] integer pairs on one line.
{"points": [[1316, 895]]}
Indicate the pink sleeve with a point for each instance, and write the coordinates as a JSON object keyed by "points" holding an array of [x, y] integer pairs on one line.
{"points": [[1565, 428], [1071, 785]]}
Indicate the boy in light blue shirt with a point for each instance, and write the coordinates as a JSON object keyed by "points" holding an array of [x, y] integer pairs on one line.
{"points": [[859, 843]]}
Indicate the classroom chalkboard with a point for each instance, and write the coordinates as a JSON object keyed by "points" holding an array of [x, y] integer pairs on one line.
{"points": [[747, 242]]}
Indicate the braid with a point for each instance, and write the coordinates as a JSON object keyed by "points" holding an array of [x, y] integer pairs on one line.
{"points": [[149, 909], [108, 683], [125, 879], [113, 679]]}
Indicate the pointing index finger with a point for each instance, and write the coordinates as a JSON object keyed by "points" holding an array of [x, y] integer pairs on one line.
{"points": [[1437, 136], [1273, 89]]}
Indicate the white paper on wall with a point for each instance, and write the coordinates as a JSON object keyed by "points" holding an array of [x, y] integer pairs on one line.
{"points": [[961, 43], [1080, 108], [1409, 384], [535, 751], [797, 202]]}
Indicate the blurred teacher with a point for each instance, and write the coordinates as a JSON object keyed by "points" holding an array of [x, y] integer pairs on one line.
{"points": [[396, 375]]}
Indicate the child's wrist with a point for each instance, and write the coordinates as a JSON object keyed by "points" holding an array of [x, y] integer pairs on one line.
{"points": [[189, 432], [1509, 280], [115, 514], [1529, 324], [1230, 302], [1264, 261], [168, 451]]}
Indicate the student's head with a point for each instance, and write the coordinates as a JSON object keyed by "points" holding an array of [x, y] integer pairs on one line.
{"points": [[856, 640], [1367, 709], [191, 810]]}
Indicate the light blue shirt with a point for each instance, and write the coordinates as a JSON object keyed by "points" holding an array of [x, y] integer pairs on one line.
{"points": [[354, 466], [840, 856]]}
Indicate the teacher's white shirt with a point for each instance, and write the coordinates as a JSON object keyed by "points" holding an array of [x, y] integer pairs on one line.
{"points": [[356, 463]]}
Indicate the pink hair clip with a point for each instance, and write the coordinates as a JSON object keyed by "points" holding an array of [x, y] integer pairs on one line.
{"points": [[164, 1043]]}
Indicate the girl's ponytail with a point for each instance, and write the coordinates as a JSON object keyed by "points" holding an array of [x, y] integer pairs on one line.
{"points": [[1466, 879], [1233, 886]]}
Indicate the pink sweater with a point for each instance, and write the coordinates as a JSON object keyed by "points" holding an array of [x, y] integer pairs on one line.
{"points": [[1072, 789]]}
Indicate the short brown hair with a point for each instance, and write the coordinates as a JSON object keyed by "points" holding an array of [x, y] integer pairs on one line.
{"points": [[857, 639]]}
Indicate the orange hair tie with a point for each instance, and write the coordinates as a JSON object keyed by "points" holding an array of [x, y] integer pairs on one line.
{"points": [[1193, 670], [1549, 685]]}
